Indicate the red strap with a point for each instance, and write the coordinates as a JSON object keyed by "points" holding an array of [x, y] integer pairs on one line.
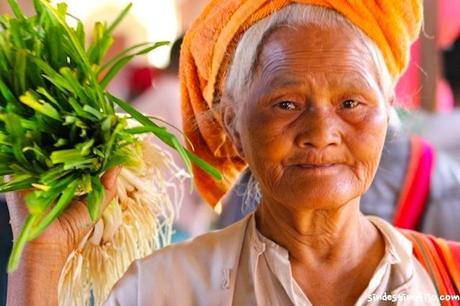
{"points": [[416, 187], [441, 260]]}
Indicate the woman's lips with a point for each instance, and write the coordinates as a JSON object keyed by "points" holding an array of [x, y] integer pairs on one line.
{"points": [[328, 168], [315, 166]]}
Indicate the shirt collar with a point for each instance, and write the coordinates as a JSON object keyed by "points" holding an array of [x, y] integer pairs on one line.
{"points": [[398, 246], [398, 249]]}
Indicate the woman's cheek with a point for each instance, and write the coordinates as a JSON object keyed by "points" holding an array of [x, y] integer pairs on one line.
{"points": [[365, 139], [268, 135], [370, 130], [365, 116], [265, 149]]}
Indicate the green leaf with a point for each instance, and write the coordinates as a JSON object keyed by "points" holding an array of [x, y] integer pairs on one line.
{"points": [[97, 114], [48, 96], [114, 70], [121, 62], [20, 71], [129, 52], [182, 152], [39, 153], [148, 129], [51, 75], [118, 159], [19, 244], [82, 163], [139, 116], [18, 184], [62, 156], [204, 166], [120, 55], [109, 145], [16, 9], [6, 93], [5, 170], [38, 7], [40, 106], [5, 158], [103, 37], [95, 198], [61, 142], [52, 175], [64, 200], [61, 9], [73, 82], [80, 32], [16, 132], [53, 41], [76, 107], [119, 18], [101, 44], [38, 201], [86, 183], [70, 34], [167, 138], [85, 147]]}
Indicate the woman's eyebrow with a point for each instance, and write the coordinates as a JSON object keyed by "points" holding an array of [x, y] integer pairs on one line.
{"points": [[358, 80], [279, 82]]}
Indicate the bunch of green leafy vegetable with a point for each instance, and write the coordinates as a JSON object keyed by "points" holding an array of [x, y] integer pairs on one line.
{"points": [[59, 130]]}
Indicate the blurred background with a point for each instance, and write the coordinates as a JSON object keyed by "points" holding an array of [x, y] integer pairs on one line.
{"points": [[428, 95]]}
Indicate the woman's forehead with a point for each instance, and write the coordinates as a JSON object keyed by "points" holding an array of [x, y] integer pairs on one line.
{"points": [[289, 55], [351, 79], [334, 44]]}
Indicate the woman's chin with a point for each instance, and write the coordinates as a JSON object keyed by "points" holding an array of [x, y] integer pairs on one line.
{"points": [[324, 203], [323, 196]]}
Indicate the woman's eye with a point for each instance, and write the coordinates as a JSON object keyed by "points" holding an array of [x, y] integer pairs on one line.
{"points": [[286, 105], [350, 104]]}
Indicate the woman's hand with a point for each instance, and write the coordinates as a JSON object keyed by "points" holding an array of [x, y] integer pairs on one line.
{"points": [[36, 279]]}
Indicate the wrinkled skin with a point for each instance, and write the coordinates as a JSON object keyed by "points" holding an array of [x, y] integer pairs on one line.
{"points": [[311, 128], [313, 124]]}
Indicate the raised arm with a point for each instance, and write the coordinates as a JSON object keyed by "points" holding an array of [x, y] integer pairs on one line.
{"points": [[35, 282]]}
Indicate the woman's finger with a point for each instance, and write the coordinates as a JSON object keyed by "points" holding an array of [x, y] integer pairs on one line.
{"points": [[77, 221], [110, 177]]}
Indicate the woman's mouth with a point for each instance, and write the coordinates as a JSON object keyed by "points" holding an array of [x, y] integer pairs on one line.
{"points": [[316, 166], [318, 169]]}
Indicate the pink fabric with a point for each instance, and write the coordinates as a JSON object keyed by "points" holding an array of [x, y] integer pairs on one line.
{"points": [[410, 210], [448, 22]]}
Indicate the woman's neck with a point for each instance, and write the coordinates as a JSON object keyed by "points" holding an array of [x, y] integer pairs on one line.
{"points": [[320, 236]]}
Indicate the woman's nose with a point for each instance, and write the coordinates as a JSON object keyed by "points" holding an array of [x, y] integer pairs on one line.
{"points": [[318, 128]]}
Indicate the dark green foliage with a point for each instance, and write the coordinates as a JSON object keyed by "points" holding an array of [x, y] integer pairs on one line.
{"points": [[58, 128]]}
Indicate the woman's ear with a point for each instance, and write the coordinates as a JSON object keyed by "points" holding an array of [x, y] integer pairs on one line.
{"points": [[229, 116]]}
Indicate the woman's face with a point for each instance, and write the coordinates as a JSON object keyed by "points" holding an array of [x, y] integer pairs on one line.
{"points": [[313, 123]]}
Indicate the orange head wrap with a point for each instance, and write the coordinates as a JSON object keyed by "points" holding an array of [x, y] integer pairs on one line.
{"points": [[210, 44]]}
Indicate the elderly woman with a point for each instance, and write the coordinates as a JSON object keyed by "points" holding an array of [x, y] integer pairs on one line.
{"points": [[300, 91]]}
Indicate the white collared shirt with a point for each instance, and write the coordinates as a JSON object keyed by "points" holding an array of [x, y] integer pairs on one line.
{"points": [[239, 266]]}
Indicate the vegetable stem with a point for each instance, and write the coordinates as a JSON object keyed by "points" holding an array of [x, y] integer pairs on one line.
{"points": [[19, 244]]}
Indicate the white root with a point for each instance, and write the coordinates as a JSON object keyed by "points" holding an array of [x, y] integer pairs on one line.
{"points": [[113, 219], [136, 223], [98, 230]]}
